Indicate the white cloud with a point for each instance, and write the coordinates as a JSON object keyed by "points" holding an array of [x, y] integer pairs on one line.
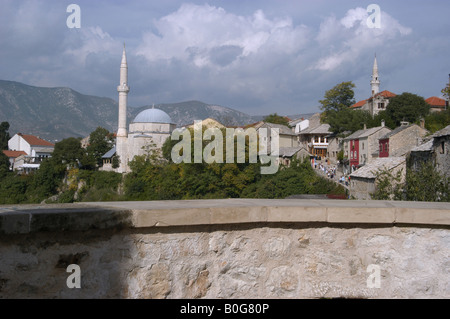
{"points": [[195, 32], [350, 37]]}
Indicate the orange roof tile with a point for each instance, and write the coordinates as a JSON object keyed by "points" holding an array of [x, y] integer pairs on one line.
{"points": [[36, 141], [386, 94], [14, 154], [358, 104], [435, 101]]}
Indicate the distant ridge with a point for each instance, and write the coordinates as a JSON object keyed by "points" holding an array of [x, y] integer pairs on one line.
{"points": [[58, 113]]}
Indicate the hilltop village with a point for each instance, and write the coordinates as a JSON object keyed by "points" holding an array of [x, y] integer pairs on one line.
{"points": [[380, 146]]}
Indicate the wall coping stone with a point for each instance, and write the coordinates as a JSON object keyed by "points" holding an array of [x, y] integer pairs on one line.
{"points": [[24, 219]]}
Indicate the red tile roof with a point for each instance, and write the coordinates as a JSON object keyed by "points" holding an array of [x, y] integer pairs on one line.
{"points": [[359, 104], [435, 101], [386, 94], [14, 154], [35, 141]]}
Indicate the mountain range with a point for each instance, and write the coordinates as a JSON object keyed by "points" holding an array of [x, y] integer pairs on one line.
{"points": [[58, 113]]}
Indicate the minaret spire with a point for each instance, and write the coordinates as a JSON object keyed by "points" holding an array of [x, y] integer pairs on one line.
{"points": [[123, 90], [375, 82], [122, 133]]}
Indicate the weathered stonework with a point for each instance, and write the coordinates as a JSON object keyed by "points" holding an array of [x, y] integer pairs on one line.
{"points": [[258, 259]]}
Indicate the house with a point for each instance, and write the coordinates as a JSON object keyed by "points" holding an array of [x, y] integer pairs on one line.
{"points": [[315, 139], [302, 124], [401, 140], [13, 155], [35, 149], [287, 154], [436, 150], [363, 181], [378, 100], [287, 138], [335, 145], [437, 104], [360, 146]]}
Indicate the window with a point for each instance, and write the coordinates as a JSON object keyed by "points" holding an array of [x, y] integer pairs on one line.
{"points": [[442, 147], [381, 147], [362, 145], [380, 106]]}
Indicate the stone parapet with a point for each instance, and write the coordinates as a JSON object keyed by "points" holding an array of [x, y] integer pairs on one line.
{"points": [[21, 219]]}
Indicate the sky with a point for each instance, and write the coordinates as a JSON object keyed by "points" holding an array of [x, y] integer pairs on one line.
{"points": [[255, 56]]}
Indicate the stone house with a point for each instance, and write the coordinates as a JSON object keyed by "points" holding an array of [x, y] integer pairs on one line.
{"points": [[401, 140], [360, 146], [315, 139], [437, 150], [364, 180], [287, 154]]}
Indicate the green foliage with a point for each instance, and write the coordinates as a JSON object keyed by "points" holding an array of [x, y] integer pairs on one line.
{"points": [[100, 142], [388, 185], [436, 121], [4, 164], [407, 107], [426, 184], [4, 135], [338, 98], [423, 184], [382, 116], [446, 91], [276, 119], [68, 153], [346, 120], [13, 189]]}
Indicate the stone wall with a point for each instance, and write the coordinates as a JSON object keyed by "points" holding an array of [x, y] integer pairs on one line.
{"points": [[226, 249]]}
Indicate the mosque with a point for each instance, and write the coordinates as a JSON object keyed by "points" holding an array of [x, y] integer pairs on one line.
{"points": [[149, 129]]}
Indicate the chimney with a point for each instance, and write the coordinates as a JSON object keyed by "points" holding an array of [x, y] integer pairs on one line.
{"points": [[422, 122], [383, 123], [404, 123], [365, 126]]}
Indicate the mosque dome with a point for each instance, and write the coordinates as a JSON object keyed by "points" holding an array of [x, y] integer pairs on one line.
{"points": [[152, 116]]}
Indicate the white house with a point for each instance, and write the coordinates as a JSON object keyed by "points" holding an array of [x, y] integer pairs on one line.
{"points": [[35, 149]]}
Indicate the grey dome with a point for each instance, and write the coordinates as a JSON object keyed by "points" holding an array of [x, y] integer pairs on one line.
{"points": [[152, 116]]}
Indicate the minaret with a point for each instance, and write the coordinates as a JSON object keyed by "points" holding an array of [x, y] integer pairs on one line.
{"points": [[122, 133], [375, 82]]}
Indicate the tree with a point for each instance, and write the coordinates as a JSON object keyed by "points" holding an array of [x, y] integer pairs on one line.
{"points": [[4, 135], [347, 120], [338, 98], [436, 121], [426, 184], [336, 109], [100, 142], [407, 107], [276, 119], [4, 164], [446, 91], [68, 152]]}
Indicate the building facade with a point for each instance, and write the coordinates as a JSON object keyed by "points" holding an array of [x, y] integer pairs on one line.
{"points": [[33, 150], [146, 133], [378, 101], [401, 140]]}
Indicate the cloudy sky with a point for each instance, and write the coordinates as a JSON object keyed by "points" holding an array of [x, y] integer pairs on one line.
{"points": [[256, 56]]}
